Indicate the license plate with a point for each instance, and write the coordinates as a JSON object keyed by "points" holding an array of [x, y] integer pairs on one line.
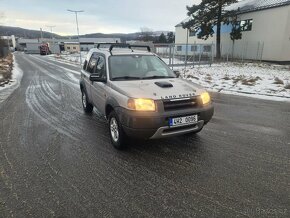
{"points": [[181, 121]]}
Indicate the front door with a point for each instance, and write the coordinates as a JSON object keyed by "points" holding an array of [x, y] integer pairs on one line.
{"points": [[98, 88], [89, 68]]}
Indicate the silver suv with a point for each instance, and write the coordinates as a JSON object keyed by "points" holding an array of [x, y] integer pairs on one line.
{"points": [[140, 95]]}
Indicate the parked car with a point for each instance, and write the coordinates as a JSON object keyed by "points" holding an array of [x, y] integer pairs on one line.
{"points": [[140, 95]]}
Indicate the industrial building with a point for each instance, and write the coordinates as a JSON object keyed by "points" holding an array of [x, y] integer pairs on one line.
{"points": [[265, 32], [57, 45]]}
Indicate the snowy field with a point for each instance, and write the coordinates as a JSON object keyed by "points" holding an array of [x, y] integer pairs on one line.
{"points": [[258, 80], [69, 58]]}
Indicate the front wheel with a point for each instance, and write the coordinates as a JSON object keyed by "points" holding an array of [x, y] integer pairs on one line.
{"points": [[88, 107], [117, 135]]}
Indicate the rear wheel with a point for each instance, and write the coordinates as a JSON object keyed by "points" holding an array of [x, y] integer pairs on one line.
{"points": [[88, 107], [117, 134]]}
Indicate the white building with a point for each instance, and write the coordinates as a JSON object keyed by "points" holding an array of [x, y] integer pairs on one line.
{"points": [[265, 28], [58, 45], [11, 41]]}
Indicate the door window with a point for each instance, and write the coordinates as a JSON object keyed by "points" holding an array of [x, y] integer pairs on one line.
{"points": [[101, 67], [91, 68]]}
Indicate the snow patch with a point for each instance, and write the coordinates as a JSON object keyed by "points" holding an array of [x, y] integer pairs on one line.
{"points": [[249, 79]]}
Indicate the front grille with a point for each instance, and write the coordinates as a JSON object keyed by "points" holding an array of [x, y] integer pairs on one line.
{"points": [[180, 104]]}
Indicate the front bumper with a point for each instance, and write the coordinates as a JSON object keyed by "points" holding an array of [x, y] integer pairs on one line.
{"points": [[152, 125]]}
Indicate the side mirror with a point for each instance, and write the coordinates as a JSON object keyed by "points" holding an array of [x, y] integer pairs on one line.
{"points": [[97, 78], [177, 73]]}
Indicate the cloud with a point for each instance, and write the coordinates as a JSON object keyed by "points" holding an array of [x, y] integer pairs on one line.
{"points": [[107, 16]]}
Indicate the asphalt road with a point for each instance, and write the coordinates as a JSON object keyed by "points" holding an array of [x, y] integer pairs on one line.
{"points": [[57, 161]]}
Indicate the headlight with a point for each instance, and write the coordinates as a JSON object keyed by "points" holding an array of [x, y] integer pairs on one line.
{"points": [[141, 104], [205, 98]]}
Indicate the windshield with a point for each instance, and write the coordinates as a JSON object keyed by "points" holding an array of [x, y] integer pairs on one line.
{"points": [[136, 67]]}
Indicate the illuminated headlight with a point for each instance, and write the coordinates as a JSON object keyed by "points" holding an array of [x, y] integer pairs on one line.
{"points": [[205, 98], [141, 104]]}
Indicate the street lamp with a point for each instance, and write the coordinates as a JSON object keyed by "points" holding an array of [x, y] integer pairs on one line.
{"points": [[76, 13], [52, 37]]}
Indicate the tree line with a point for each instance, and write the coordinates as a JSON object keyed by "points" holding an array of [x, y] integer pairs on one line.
{"points": [[147, 35]]}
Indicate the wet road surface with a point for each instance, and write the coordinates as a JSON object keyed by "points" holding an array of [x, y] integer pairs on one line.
{"points": [[55, 161]]}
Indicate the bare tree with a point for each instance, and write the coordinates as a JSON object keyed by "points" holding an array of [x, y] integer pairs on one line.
{"points": [[146, 34]]}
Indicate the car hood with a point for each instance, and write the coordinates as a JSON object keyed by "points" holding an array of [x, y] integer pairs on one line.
{"points": [[149, 89]]}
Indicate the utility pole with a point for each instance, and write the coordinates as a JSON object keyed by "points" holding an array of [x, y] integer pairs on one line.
{"points": [[53, 50], [78, 31]]}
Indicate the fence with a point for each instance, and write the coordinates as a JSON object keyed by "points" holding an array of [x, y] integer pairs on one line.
{"points": [[241, 51], [186, 54]]}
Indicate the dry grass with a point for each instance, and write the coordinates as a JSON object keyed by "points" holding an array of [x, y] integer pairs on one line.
{"points": [[192, 77], [226, 77], [6, 65], [246, 81], [209, 78], [278, 81], [238, 79], [287, 86]]}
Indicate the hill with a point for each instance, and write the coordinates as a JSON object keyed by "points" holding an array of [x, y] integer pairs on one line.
{"points": [[32, 34], [25, 33]]}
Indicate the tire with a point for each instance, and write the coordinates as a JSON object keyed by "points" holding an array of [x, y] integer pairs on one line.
{"points": [[117, 134], [87, 106]]}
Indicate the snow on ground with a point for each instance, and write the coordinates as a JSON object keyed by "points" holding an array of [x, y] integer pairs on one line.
{"points": [[73, 58], [259, 80], [249, 79], [17, 74]]}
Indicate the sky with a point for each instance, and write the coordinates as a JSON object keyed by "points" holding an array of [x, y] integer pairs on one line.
{"points": [[105, 16]]}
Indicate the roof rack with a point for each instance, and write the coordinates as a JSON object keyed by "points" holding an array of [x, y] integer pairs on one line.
{"points": [[123, 45], [118, 45], [140, 46], [104, 43]]}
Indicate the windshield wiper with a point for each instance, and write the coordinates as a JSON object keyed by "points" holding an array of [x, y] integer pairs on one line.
{"points": [[126, 78], [159, 77]]}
